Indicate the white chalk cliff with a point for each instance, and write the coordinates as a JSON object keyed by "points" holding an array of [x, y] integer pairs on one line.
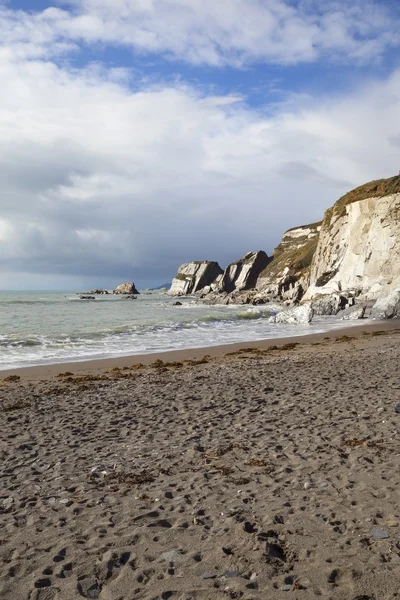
{"points": [[359, 243], [352, 256]]}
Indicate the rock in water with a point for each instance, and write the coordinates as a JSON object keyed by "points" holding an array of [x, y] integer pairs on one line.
{"points": [[194, 276], [298, 314], [387, 307], [126, 288]]}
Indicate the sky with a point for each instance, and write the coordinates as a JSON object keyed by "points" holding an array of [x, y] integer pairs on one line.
{"points": [[136, 135]]}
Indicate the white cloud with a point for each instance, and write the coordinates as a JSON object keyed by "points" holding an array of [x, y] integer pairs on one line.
{"points": [[97, 179], [227, 32]]}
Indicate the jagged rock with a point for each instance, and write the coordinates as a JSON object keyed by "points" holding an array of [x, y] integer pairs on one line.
{"points": [[297, 314], [126, 288], [352, 313], [359, 243], [97, 291], [87, 297], [330, 305], [194, 276], [243, 273], [177, 304], [387, 307]]}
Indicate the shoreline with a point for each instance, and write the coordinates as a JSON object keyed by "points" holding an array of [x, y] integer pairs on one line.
{"points": [[91, 366]]}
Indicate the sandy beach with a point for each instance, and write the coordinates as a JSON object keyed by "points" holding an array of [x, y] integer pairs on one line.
{"points": [[266, 470]]}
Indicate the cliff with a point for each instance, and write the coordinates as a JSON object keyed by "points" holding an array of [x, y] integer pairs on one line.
{"points": [[359, 243], [287, 276], [194, 276], [353, 253]]}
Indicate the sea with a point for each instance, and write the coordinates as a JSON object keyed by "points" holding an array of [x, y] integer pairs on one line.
{"points": [[45, 327]]}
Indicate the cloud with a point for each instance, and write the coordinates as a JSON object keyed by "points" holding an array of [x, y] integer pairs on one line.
{"points": [[105, 182], [205, 32]]}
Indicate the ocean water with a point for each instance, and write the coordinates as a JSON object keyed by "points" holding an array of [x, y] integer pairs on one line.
{"points": [[54, 327]]}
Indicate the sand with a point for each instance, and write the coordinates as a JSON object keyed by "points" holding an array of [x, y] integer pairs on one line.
{"points": [[261, 473]]}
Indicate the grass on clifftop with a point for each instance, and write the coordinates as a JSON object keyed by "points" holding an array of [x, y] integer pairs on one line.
{"points": [[373, 189], [297, 259]]}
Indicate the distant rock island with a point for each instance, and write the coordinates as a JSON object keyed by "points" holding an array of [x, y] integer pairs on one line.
{"points": [[125, 289], [348, 260]]}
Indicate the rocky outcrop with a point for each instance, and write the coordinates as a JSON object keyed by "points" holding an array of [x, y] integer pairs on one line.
{"points": [[352, 313], [126, 288], [387, 307], [297, 314], [194, 276], [243, 273], [331, 305], [286, 277], [359, 244]]}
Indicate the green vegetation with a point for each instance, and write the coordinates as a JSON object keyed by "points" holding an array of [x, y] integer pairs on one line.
{"points": [[309, 226], [182, 277], [298, 259], [373, 189]]}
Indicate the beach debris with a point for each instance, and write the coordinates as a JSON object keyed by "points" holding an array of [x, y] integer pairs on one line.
{"points": [[11, 378], [17, 406], [104, 477], [380, 534], [397, 408]]}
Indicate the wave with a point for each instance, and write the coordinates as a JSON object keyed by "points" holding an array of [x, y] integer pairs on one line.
{"points": [[82, 338]]}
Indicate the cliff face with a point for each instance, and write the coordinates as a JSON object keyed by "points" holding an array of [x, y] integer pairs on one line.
{"points": [[194, 276], [359, 244], [243, 273], [353, 252], [287, 275]]}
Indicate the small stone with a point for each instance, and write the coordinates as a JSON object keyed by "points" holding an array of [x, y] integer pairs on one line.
{"points": [[253, 576], [8, 502], [397, 408], [307, 485], [64, 501], [392, 523], [231, 574], [380, 534], [208, 576], [52, 501], [324, 484], [172, 556], [286, 588]]}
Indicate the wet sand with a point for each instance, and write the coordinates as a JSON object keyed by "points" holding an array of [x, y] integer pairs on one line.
{"points": [[267, 470]]}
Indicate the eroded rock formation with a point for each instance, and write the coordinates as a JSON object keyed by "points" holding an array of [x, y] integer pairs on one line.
{"points": [[126, 288], [350, 258], [194, 276]]}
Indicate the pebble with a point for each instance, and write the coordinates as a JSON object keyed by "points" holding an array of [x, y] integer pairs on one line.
{"points": [[231, 574], [286, 588], [324, 484], [397, 407], [208, 576], [380, 534], [8, 502], [307, 485], [172, 556]]}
